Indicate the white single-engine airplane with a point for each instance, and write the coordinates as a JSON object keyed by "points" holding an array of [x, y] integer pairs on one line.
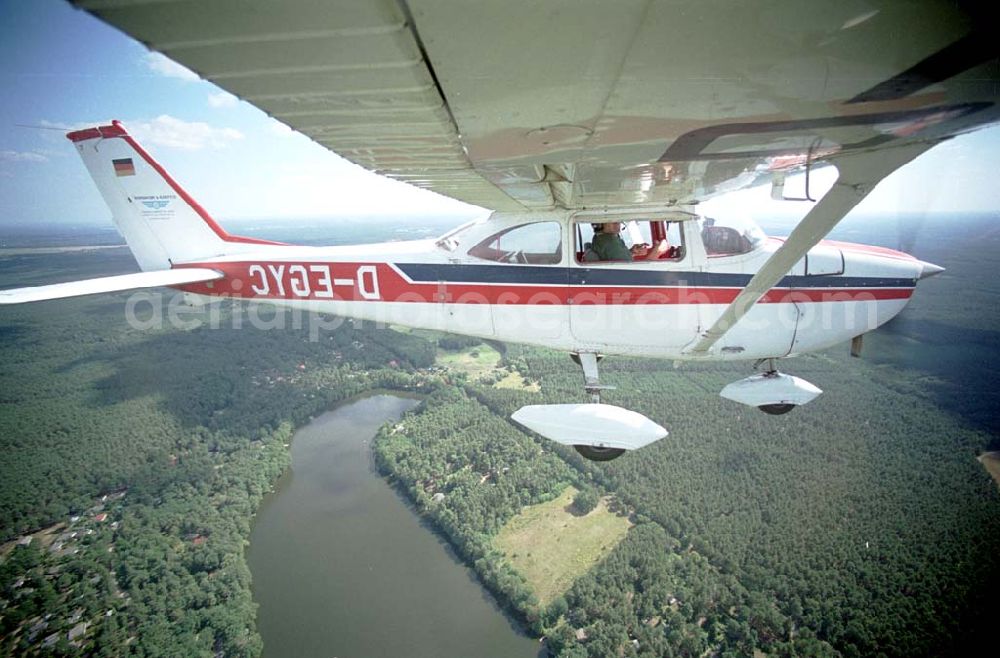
{"points": [[568, 118]]}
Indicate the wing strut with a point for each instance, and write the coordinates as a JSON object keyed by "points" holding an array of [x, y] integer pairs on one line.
{"points": [[858, 174]]}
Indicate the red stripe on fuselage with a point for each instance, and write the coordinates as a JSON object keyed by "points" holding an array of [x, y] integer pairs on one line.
{"points": [[855, 248], [371, 282], [870, 250]]}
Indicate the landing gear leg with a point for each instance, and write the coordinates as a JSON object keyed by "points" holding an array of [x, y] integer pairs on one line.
{"points": [[593, 387], [591, 379]]}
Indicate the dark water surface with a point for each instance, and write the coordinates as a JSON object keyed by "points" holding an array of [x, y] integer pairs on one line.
{"points": [[342, 566]]}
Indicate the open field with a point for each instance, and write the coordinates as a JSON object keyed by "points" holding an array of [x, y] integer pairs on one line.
{"points": [[991, 460], [514, 380], [474, 361], [551, 547]]}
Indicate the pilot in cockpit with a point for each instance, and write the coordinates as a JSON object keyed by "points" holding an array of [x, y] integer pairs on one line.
{"points": [[608, 245]]}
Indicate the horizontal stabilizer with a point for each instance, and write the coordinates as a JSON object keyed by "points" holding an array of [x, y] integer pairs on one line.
{"points": [[108, 284]]}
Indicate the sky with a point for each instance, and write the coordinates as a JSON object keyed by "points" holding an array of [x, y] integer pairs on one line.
{"points": [[60, 69]]}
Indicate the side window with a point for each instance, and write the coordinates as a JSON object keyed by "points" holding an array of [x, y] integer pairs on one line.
{"points": [[724, 241], [584, 239], [673, 233], [730, 238], [539, 243], [633, 233]]}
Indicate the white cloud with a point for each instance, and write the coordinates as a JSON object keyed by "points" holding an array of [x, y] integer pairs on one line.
{"points": [[222, 99], [167, 67], [22, 156], [165, 131], [170, 132]]}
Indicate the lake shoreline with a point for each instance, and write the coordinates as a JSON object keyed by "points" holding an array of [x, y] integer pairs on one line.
{"points": [[513, 615], [332, 500]]}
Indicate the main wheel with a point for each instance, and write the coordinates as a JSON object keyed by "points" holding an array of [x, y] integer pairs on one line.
{"points": [[776, 409], [595, 454]]}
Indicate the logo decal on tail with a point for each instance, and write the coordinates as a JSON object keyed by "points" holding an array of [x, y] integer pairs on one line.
{"points": [[156, 207], [154, 204]]}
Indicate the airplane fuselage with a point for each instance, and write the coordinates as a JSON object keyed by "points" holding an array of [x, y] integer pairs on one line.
{"points": [[644, 308]]}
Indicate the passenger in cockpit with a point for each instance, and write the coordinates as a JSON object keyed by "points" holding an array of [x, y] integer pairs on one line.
{"points": [[608, 245]]}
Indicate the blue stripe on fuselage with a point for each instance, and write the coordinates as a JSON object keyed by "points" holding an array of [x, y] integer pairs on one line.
{"points": [[555, 275]]}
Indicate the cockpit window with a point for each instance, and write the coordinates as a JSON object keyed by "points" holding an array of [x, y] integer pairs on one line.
{"points": [[539, 243], [730, 237]]}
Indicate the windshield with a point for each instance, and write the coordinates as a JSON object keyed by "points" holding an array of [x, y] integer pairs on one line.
{"points": [[538, 242], [730, 236], [449, 241]]}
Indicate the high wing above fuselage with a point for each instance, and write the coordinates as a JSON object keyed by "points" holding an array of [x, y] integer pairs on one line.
{"points": [[581, 104]]}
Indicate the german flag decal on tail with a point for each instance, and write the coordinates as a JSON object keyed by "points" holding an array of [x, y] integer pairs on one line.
{"points": [[124, 167]]}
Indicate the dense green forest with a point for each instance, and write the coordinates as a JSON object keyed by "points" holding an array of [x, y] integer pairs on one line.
{"points": [[138, 458], [852, 528], [858, 518], [860, 525]]}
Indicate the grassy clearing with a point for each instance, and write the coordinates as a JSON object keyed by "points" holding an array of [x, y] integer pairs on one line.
{"points": [[515, 381], [475, 361], [551, 547], [991, 460]]}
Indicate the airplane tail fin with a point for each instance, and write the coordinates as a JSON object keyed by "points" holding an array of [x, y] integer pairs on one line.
{"points": [[161, 223]]}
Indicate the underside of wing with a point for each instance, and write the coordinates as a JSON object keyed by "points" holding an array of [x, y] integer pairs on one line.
{"points": [[517, 105]]}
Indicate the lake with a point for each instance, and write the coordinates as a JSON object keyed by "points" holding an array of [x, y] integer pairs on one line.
{"points": [[342, 565]]}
